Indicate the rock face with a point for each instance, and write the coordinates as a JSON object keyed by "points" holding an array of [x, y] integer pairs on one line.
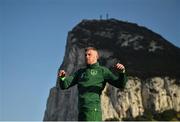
{"points": [[152, 65]]}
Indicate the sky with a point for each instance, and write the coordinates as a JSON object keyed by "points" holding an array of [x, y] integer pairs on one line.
{"points": [[33, 36]]}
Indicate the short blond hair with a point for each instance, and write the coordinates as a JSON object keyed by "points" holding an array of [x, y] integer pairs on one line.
{"points": [[90, 48]]}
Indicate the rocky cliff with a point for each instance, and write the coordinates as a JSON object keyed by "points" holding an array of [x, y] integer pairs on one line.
{"points": [[152, 65]]}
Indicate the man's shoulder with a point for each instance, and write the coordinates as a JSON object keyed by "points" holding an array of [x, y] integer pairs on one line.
{"points": [[82, 69], [103, 68]]}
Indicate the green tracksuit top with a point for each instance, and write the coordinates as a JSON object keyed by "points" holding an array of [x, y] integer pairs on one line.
{"points": [[90, 82]]}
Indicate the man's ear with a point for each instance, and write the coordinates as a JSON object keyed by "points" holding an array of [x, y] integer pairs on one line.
{"points": [[97, 56]]}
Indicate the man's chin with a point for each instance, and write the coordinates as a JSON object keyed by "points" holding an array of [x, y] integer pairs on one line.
{"points": [[88, 63]]}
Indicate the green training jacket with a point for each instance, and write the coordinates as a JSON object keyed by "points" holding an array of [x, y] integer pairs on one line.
{"points": [[90, 82]]}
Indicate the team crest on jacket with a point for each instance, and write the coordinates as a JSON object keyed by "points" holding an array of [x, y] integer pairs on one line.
{"points": [[93, 72]]}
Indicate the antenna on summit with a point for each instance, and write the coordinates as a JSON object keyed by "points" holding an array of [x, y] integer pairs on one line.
{"points": [[107, 16], [100, 17]]}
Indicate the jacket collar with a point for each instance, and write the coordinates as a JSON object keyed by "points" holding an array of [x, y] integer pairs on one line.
{"points": [[93, 65]]}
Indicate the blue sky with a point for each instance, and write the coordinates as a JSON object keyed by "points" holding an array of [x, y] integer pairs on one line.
{"points": [[33, 37]]}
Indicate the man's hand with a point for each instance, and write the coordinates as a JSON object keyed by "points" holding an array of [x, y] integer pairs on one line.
{"points": [[61, 73], [120, 67]]}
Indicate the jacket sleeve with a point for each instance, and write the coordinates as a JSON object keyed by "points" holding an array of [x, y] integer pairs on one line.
{"points": [[69, 81], [117, 81]]}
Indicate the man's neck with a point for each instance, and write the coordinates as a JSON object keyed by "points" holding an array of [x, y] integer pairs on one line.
{"points": [[93, 63]]}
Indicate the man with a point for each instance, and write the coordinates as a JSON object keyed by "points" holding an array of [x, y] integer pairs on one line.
{"points": [[90, 82]]}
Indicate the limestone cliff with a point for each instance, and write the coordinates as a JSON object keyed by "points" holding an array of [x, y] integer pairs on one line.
{"points": [[152, 65]]}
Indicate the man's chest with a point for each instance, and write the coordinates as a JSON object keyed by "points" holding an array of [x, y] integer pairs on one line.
{"points": [[91, 77]]}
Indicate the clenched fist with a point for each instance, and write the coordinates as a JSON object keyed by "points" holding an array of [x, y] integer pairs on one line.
{"points": [[62, 73], [120, 67]]}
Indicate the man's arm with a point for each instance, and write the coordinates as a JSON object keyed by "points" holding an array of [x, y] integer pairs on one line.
{"points": [[117, 81], [66, 81]]}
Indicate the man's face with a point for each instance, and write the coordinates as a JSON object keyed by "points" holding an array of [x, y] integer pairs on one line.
{"points": [[91, 56]]}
